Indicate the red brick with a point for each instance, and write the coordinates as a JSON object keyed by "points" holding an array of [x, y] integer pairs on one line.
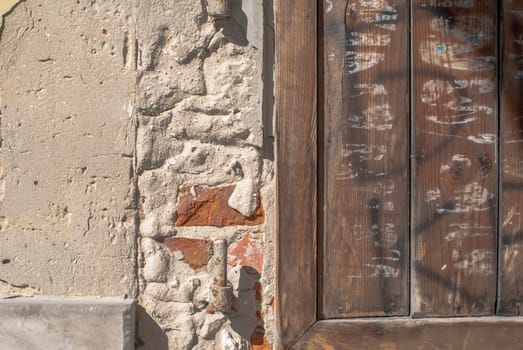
{"points": [[195, 251], [248, 251], [209, 208], [259, 342], [258, 290]]}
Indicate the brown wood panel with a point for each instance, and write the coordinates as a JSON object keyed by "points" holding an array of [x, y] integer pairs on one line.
{"points": [[403, 334], [454, 194], [295, 81], [365, 253], [511, 260]]}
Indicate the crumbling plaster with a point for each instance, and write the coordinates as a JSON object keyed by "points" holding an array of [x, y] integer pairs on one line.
{"points": [[109, 112]]}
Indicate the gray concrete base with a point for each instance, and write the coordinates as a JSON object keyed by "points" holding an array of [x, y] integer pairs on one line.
{"points": [[67, 323]]}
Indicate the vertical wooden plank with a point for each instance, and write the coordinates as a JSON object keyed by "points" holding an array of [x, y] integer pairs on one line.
{"points": [[365, 148], [454, 157], [511, 277], [295, 88]]}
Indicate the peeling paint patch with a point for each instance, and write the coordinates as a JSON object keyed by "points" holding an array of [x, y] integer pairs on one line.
{"points": [[5, 7]]}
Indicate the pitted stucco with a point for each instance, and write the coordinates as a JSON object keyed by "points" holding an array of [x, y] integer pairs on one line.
{"points": [[109, 110], [67, 139]]}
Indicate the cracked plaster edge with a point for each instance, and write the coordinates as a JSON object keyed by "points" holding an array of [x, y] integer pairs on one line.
{"points": [[6, 6]]}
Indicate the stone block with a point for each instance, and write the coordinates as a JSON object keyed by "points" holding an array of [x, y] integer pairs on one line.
{"points": [[67, 323]]}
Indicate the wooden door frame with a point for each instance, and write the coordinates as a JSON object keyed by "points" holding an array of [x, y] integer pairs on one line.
{"points": [[296, 157], [297, 325]]}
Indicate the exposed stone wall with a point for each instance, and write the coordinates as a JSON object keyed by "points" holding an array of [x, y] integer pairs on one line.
{"points": [[132, 137], [202, 174]]}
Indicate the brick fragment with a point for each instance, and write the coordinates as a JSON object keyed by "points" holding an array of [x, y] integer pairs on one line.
{"points": [[258, 290], [208, 206], [248, 251], [196, 252], [259, 342]]}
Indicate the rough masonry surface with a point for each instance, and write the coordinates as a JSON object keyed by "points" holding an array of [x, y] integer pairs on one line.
{"points": [[131, 138]]}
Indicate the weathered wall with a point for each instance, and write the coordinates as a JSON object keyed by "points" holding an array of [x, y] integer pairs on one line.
{"points": [[67, 139], [202, 171], [132, 137]]}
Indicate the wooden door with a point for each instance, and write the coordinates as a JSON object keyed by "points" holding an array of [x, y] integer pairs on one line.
{"points": [[418, 177]]}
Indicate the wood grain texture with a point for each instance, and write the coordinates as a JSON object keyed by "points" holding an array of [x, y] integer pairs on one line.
{"points": [[295, 84], [511, 259], [365, 252], [404, 334], [454, 195]]}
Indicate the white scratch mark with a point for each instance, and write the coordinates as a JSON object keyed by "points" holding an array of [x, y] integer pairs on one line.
{"points": [[461, 158], [360, 61], [470, 198], [483, 138], [433, 90], [373, 118], [368, 39], [432, 195], [450, 119], [459, 231], [455, 56], [372, 11], [385, 187], [328, 6], [430, 132], [394, 256], [381, 270], [477, 262], [364, 151], [388, 206], [449, 3], [370, 89]]}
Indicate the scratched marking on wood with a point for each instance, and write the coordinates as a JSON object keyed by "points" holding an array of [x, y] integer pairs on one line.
{"points": [[365, 234], [454, 157], [511, 259]]}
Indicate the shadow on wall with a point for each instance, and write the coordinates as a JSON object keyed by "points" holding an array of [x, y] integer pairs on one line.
{"points": [[246, 319], [150, 336]]}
